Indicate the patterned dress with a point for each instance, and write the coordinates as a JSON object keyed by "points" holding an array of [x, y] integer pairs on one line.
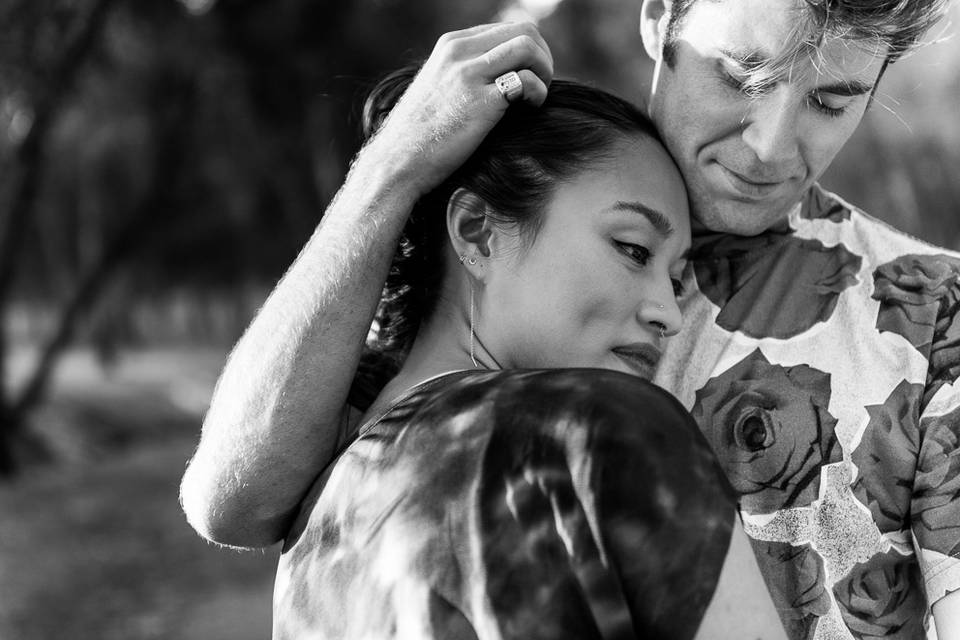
{"points": [[572, 503], [821, 362]]}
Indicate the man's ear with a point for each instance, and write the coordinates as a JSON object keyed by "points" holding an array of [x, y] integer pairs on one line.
{"points": [[468, 226], [654, 16]]}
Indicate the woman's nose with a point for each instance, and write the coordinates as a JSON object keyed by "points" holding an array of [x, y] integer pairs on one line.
{"points": [[662, 313]]}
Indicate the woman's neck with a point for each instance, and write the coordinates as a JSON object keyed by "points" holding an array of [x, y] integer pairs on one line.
{"points": [[441, 346]]}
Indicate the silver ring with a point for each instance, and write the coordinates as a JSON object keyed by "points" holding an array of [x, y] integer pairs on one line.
{"points": [[510, 85]]}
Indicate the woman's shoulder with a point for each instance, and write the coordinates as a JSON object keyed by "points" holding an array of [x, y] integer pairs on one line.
{"points": [[567, 386], [530, 398], [604, 417]]}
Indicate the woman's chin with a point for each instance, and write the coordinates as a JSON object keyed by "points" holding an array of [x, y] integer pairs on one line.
{"points": [[632, 366]]}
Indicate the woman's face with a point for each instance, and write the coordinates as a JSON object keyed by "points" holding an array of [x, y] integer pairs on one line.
{"points": [[601, 277]]}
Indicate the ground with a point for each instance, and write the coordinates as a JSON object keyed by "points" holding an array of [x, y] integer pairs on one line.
{"points": [[95, 545]]}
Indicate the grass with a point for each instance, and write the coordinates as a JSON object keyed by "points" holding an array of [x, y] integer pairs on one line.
{"points": [[95, 546]]}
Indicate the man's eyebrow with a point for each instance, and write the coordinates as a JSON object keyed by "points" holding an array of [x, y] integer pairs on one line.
{"points": [[750, 60], [747, 59], [847, 88], [659, 221]]}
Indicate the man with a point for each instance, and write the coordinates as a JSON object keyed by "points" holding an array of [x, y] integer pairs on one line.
{"points": [[822, 356]]}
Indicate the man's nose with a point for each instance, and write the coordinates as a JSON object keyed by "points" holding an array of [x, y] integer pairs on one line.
{"points": [[770, 128]]}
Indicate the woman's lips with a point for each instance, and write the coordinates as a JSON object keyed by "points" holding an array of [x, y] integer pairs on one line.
{"points": [[641, 357]]}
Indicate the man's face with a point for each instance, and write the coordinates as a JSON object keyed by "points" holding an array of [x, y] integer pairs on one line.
{"points": [[747, 159]]}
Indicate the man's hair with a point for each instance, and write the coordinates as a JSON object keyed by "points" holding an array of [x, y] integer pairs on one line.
{"points": [[897, 24]]}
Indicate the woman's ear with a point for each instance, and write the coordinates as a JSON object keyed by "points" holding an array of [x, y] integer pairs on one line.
{"points": [[654, 16], [468, 226]]}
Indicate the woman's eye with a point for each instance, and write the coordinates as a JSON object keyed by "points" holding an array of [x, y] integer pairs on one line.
{"points": [[639, 254]]}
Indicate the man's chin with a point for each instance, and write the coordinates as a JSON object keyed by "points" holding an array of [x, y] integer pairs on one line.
{"points": [[739, 219]]}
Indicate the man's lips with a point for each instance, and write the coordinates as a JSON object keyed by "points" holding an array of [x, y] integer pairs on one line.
{"points": [[641, 357], [753, 187]]}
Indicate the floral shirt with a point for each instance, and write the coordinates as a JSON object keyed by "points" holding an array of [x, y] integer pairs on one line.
{"points": [[821, 362], [571, 503]]}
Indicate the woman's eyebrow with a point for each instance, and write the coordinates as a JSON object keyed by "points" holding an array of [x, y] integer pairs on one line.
{"points": [[659, 221]]}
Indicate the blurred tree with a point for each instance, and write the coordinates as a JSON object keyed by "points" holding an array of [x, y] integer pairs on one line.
{"points": [[48, 86], [185, 149], [189, 144]]}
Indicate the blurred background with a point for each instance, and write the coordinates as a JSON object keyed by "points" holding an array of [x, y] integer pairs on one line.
{"points": [[161, 162]]}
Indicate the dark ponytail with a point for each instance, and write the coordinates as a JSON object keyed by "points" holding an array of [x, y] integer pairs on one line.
{"points": [[514, 170]]}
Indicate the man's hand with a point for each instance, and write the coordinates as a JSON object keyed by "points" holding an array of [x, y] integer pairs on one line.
{"points": [[274, 422], [453, 102]]}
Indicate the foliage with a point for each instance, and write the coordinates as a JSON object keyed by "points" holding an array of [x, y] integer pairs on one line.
{"points": [[158, 148]]}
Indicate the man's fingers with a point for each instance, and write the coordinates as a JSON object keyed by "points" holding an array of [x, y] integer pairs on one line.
{"points": [[534, 88], [486, 39], [483, 40], [466, 33], [518, 53]]}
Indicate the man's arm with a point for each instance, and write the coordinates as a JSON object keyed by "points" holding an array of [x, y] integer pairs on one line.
{"points": [[273, 421]]}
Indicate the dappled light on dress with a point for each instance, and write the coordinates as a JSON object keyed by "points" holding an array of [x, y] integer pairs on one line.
{"points": [[516, 504]]}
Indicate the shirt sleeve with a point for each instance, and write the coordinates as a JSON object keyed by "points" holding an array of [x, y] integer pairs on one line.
{"points": [[935, 502], [606, 501]]}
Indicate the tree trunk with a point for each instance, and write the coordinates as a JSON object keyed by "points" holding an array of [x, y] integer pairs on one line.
{"points": [[27, 180]]}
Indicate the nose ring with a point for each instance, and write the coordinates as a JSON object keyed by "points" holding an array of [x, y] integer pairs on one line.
{"points": [[660, 306], [662, 331]]}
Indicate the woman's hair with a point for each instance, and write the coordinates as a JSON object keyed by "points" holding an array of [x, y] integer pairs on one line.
{"points": [[514, 171]]}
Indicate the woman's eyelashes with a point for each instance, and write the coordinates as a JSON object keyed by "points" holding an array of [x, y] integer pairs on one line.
{"points": [[638, 253], [641, 256]]}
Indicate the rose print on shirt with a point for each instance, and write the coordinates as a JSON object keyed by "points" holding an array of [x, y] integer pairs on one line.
{"points": [[771, 431], [883, 598], [795, 578], [886, 457], [920, 300], [936, 495], [774, 285], [821, 205]]}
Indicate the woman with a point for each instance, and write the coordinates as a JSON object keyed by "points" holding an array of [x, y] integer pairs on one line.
{"points": [[517, 478]]}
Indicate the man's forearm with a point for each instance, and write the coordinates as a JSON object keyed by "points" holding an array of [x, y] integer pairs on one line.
{"points": [[273, 421]]}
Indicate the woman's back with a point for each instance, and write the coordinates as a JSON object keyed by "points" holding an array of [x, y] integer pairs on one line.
{"points": [[575, 503]]}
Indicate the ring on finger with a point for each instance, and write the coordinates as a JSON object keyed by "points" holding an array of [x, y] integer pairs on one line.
{"points": [[510, 86]]}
